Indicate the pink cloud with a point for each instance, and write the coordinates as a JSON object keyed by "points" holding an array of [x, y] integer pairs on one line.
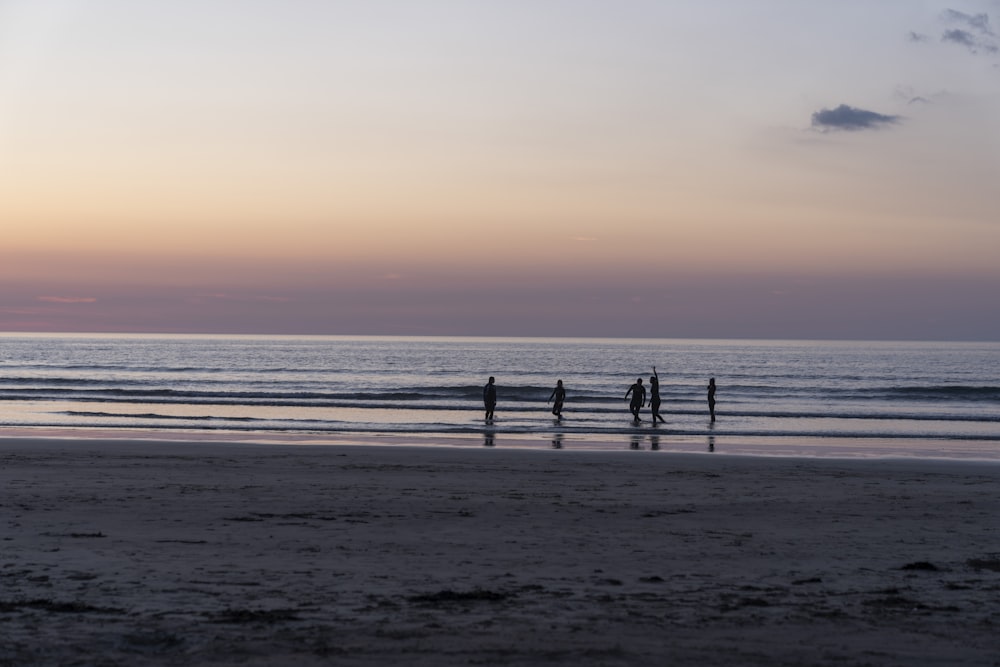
{"points": [[67, 299], [21, 311], [252, 298]]}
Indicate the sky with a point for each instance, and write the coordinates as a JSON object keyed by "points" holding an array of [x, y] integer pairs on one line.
{"points": [[661, 169]]}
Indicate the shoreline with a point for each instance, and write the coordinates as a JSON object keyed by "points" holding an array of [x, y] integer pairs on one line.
{"points": [[222, 553], [795, 447], [403, 448]]}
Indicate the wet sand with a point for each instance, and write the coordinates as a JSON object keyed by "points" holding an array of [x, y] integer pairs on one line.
{"points": [[123, 553]]}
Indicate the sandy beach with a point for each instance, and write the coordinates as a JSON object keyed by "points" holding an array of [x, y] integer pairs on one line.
{"points": [[124, 553]]}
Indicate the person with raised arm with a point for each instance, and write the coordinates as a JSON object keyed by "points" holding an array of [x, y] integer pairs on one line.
{"points": [[654, 396]]}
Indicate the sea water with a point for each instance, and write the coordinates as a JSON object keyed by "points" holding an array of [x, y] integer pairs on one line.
{"points": [[801, 397]]}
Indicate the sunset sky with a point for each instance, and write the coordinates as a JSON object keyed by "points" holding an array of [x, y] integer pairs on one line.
{"points": [[724, 168]]}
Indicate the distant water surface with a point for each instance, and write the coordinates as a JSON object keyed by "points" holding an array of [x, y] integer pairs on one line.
{"points": [[805, 397]]}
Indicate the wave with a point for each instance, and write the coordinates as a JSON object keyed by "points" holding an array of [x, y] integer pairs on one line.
{"points": [[186, 418], [298, 378], [541, 428], [436, 401], [842, 415], [945, 392], [179, 370], [101, 390]]}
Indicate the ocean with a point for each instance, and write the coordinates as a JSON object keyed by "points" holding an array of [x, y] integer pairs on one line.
{"points": [[803, 398]]}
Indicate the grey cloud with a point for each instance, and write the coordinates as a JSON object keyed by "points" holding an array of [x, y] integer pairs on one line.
{"points": [[847, 117], [974, 32], [963, 37], [970, 41], [978, 22], [917, 37], [909, 96]]}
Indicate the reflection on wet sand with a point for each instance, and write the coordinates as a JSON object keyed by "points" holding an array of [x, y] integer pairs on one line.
{"points": [[635, 442], [638, 441]]}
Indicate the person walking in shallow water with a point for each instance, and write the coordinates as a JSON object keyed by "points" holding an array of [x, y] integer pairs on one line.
{"points": [[559, 394], [490, 397], [711, 399], [654, 396], [638, 393]]}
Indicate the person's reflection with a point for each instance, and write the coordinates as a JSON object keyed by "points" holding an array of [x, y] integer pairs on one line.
{"points": [[557, 441], [488, 440], [654, 442], [634, 442], [711, 443]]}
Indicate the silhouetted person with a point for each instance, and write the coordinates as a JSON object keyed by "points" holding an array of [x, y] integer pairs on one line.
{"points": [[490, 398], [559, 394], [711, 398], [654, 396], [638, 393]]}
